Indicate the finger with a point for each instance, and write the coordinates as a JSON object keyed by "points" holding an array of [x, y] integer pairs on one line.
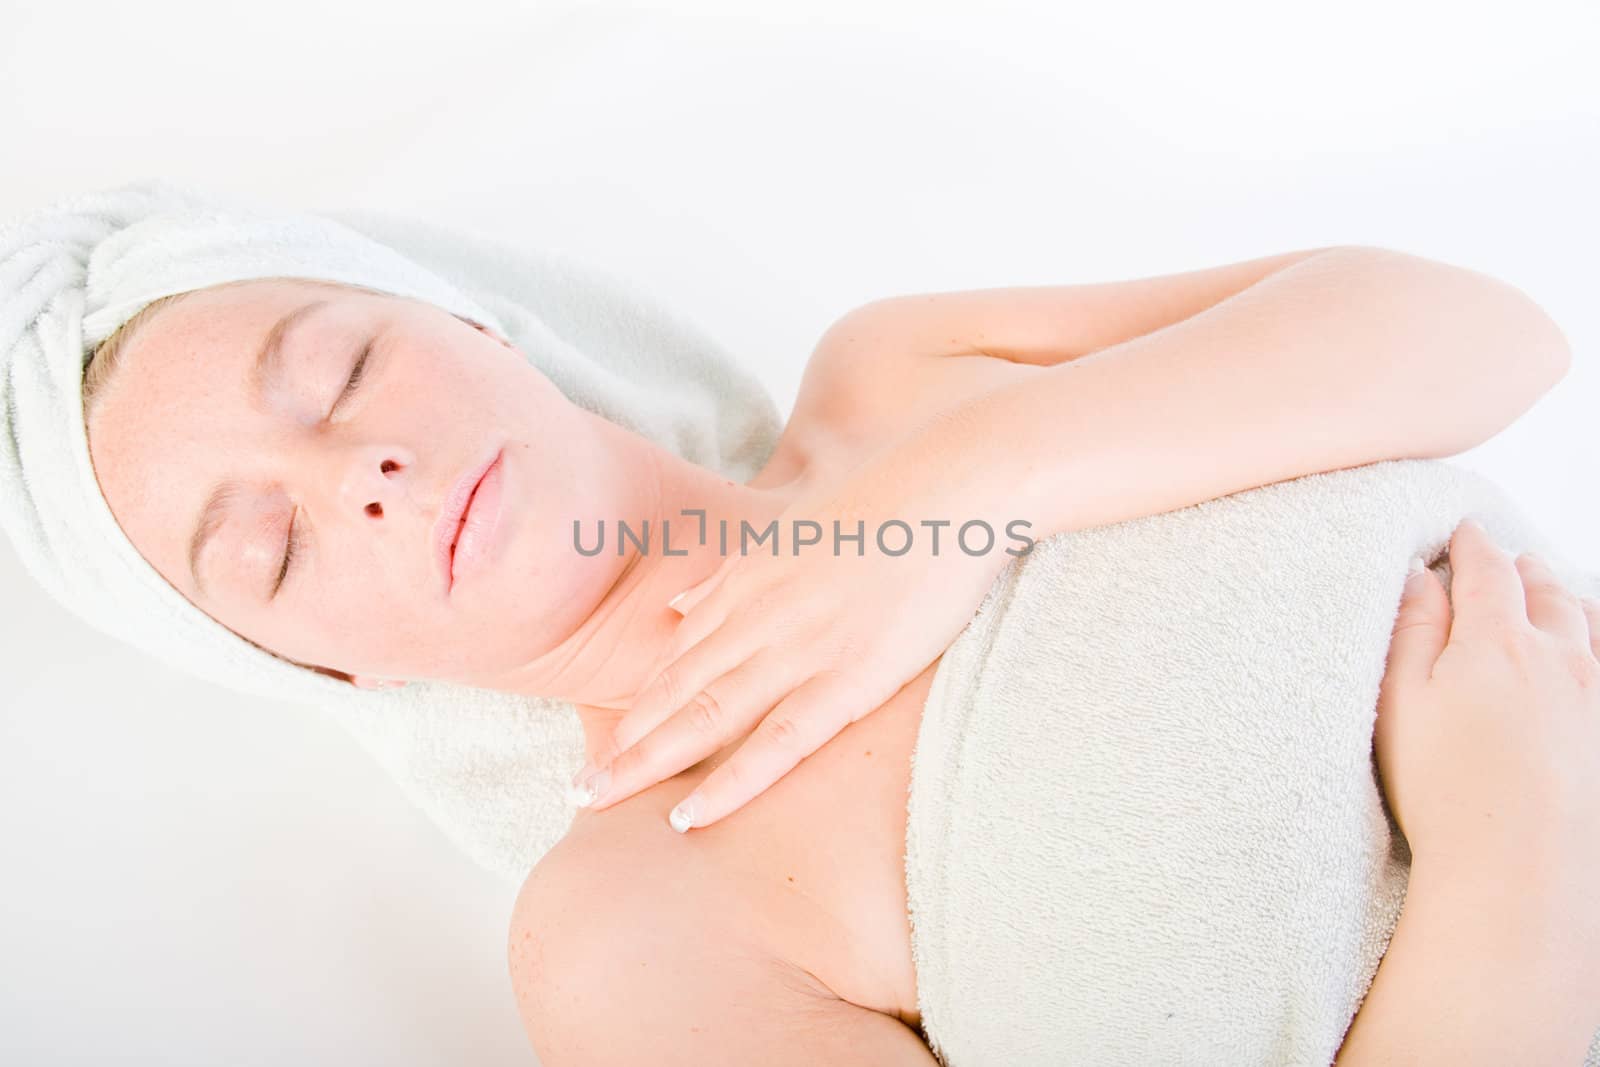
{"points": [[686, 633], [1591, 612], [702, 618], [669, 684], [712, 718], [1421, 631], [1485, 588], [685, 601], [715, 599], [802, 723], [661, 692], [1550, 605], [696, 661]]}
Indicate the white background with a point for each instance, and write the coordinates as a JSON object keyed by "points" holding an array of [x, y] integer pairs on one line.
{"points": [[194, 878]]}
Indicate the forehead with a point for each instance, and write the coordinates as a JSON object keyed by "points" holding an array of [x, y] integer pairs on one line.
{"points": [[231, 315], [195, 350]]}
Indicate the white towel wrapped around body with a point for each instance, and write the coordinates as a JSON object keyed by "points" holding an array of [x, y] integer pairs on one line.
{"points": [[1144, 821]]}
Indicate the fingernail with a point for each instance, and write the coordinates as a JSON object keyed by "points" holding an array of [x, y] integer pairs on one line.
{"points": [[588, 790], [1416, 567], [682, 816], [673, 603]]}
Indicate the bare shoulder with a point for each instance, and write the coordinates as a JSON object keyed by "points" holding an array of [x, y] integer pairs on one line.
{"points": [[662, 968], [865, 385]]}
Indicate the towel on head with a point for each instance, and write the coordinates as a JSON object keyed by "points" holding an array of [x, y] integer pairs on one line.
{"points": [[1144, 825], [490, 767]]}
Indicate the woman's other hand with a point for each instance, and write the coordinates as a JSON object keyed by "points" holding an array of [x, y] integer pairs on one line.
{"points": [[1488, 742], [800, 644], [1488, 728]]}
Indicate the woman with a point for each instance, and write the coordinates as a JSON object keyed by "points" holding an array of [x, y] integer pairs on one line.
{"points": [[779, 935]]}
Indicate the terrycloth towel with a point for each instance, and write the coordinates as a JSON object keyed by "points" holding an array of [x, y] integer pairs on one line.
{"points": [[1144, 822], [490, 767]]}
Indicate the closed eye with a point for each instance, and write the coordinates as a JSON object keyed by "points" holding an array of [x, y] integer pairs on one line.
{"points": [[288, 556], [354, 381]]}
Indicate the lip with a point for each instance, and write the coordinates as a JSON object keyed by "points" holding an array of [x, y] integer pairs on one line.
{"points": [[451, 512]]}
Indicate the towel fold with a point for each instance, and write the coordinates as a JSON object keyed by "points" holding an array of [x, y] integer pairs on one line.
{"points": [[489, 767], [1144, 823]]}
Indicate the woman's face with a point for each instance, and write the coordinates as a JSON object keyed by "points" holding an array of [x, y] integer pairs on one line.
{"points": [[361, 475]]}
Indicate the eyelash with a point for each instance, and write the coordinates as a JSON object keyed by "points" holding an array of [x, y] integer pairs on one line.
{"points": [[288, 555], [355, 375], [350, 387]]}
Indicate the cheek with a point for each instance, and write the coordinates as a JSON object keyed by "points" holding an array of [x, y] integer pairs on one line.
{"points": [[353, 623], [554, 586], [372, 648]]}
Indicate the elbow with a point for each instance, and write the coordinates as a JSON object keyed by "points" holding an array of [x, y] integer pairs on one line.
{"points": [[1560, 363], [1561, 355], [1489, 319], [1535, 344], [1523, 352]]}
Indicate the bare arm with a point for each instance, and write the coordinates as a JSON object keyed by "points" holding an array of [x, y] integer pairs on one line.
{"points": [[1343, 357], [1483, 969], [1049, 324]]}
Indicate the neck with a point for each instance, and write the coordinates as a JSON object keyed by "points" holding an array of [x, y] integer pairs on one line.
{"points": [[602, 665]]}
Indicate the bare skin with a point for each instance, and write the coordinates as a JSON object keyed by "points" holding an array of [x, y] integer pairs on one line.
{"points": [[810, 876], [786, 920], [363, 479], [784, 926], [790, 915]]}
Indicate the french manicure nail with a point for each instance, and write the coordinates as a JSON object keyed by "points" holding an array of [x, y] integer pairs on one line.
{"points": [[589, 790], [1415, 566], [673, 603], [682, 816], [579, 796]]}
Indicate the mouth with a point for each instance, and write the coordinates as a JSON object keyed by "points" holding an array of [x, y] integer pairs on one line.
{"points": [[447, 528]]}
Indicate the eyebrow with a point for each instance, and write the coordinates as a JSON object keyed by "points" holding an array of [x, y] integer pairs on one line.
{"points": [[266, 370]]}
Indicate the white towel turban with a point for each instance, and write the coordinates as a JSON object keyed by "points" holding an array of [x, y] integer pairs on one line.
{"points": [[489, 766]]}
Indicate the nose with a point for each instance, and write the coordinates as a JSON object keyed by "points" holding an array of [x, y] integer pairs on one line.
{"points": [[373, 481]]}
